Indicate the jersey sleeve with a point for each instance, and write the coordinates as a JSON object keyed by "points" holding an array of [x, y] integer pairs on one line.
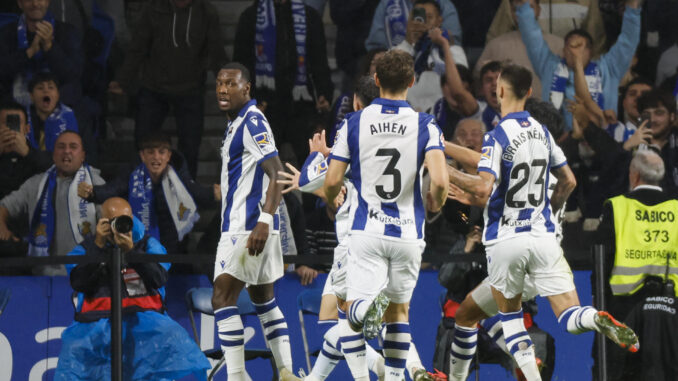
{"points": [[258, 138], [436, 140], [340, 149], [558, 158], [313, 171], [490, 156]]}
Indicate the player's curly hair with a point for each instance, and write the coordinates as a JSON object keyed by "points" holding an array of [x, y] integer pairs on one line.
{"points": [[395, 71]]}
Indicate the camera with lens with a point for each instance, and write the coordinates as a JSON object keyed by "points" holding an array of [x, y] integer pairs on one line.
{"points": [[122, 224]]}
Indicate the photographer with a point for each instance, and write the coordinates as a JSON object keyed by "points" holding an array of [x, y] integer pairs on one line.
{"points": [[154, 346]]}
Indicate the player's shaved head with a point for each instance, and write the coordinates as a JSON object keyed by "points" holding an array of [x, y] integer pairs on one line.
{"points": [[114, 207]]}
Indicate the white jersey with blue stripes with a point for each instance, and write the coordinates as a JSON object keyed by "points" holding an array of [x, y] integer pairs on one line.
{"points": [[248, 141], [385, 144], [520, 153]]}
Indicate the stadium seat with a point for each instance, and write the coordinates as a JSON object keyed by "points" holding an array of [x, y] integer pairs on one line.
{"points": [[308, 303], [200, 300]]}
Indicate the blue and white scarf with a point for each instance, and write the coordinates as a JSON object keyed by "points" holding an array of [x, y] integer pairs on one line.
{"points": [[395, 23], [289, 246], [422, 52], [561, 76], [179, 201], [60, 120], [265, 48], [81, 214], [37, 62]]}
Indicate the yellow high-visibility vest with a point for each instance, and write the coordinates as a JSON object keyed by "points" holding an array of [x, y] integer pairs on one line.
{"points": [[646, 237]]}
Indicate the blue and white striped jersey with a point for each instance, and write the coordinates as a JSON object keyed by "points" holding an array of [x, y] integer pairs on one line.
{"points": [[312, 177], [520, 153], [385, 144], [248, 141]]}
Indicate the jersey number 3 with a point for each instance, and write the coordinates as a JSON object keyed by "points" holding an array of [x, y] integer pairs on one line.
{"points": [[390, 170], [522, 172]]}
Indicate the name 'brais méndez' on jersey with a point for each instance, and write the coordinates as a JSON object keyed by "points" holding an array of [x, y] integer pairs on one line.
{"points": [[385, 144], [520, 153]]}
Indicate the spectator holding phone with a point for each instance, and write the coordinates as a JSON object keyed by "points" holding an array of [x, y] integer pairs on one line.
{"points": [[18, 159]]}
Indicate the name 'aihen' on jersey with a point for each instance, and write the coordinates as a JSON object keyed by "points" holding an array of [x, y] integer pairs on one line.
{"points": [[520, 153], [385, 144], [248, 141]]}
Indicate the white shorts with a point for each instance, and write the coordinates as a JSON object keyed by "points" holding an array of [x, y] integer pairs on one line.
{"points": [[376, 264], [482, 295], [511, 260], [233, 259], [336, 279]]}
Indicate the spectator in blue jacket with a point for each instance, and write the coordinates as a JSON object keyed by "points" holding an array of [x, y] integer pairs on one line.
{"points": [[155, 347], [389, 25], [603, 74]]}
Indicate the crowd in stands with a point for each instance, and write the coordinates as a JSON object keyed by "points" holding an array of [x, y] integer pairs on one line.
{"points": [[609, 68]]}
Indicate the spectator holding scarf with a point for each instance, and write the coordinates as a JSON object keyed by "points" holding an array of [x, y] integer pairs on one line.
{"points": [[161, 191], [390, 22], [557, 73], [36, 43], [57, 218], [432, 51], [283, 43], [47, 116]]}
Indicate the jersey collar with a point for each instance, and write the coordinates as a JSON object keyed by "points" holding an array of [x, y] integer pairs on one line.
{"points": [[390, 102], [515, 115], [243, 110]]}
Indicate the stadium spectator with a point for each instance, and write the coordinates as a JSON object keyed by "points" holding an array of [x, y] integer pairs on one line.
{"points": [[430, 46], [47, 116], [509, 46], [35, 43], [390, 23], [161, 191], [57, 220], [627, 225], [353, 19], [487, 109], [154, 346], [173, 45], [446, 109], [629, 116], [559, 20], [18, 159], [282, 42], [603, 75], [661, 109]]}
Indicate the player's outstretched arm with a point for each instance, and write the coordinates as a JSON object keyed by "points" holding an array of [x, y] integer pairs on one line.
{"points": [[467, 157], [565, 186], [259, 235], [334, 179], [435, 162], [479, 186]]}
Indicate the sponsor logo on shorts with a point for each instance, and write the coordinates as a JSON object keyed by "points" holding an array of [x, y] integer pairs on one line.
{"points": [[507, 221], [223, 264], [234, 240], [388, 220]]}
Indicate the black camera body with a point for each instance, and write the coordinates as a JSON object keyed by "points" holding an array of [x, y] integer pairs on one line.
{"points": [[122, 224]]}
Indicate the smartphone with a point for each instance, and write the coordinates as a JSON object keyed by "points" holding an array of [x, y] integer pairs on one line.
{"points": [[643, 117], [13, 122], [419, 14]]}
